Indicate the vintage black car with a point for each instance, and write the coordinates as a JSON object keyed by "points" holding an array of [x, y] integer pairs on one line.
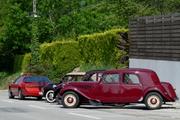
{"points": [[51, 90]]}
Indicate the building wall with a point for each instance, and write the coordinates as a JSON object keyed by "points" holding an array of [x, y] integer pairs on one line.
{"points": [[168, 71]]}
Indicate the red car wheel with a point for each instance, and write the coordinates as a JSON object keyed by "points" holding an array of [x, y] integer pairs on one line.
{"points": [[11, 96], [20, 95]]}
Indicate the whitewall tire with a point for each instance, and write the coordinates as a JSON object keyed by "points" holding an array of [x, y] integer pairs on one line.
{"points": [[50, 96], [153, 101], [70, 100]]}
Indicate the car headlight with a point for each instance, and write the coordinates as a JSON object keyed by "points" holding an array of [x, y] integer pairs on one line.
{"points": [[54, 86], [63, 85]]}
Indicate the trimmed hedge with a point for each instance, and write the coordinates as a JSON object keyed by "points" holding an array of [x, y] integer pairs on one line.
{"points": [[26, 62], [95, 51], [18, 63], [59, 57], [100, 50]]}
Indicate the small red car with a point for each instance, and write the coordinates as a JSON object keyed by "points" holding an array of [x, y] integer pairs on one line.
{"points": [[28, 86], [120, 87]]}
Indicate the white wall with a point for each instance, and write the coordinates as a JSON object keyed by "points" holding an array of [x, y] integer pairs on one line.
{"points": [[166, 70]]}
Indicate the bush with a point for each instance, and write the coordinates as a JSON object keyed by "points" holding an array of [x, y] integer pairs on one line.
{"points": [[26, 62], [8, 79], [58, 58], [96, 51], [100, 50], [18, 63], [3, 75]]}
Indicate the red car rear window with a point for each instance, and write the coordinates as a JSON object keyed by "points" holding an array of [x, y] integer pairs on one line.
{"points": [[37, 79]]}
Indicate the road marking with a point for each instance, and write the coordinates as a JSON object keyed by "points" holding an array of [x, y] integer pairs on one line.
{"points": [[38, 107], [86, 116]]}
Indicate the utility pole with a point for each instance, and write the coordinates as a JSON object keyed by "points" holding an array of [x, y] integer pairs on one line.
{"points": [[34, 8], [35, 66]]}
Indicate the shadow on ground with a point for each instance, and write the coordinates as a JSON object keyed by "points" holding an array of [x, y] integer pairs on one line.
{"points": [[125, 107]]}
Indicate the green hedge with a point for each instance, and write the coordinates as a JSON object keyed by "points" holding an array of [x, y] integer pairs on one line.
{"points": [[26, 62], [95, 51], [100, 50], [59, 58], [18, 59]]}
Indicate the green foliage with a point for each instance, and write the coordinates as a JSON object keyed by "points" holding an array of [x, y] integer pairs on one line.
{"points": [[18, 63], [161, 6], [94, 51], [62, 19], [35, 65], [8, 79], [3, 75], [16, 33], [100, 50], [59, 58], [26, 62]]}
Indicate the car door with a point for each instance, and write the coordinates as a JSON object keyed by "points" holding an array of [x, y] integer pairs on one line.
{"points": [[107, 90], [131, 88], [15, 86]]}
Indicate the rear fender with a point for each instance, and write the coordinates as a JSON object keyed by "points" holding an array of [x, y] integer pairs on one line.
{"points": [[165, 97], [170, 91]]}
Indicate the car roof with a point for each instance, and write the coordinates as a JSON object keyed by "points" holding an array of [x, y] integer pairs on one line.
{"points": [[130, 70], [76, 73]]}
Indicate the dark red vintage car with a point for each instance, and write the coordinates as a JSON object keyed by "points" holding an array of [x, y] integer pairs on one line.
{"points": [[51, 91], [28, 86], [120, 87]]}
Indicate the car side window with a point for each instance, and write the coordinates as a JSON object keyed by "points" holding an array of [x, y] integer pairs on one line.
{"points": [[131, 79], [111, 78], [93, 77], [17, 81], [66, 78], [76, 78]]}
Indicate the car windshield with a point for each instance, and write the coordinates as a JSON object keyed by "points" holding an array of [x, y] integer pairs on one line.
{"points": [[37, 79], [68, 78]]}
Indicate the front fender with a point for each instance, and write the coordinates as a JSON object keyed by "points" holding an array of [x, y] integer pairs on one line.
{"points": [[74, 89]]}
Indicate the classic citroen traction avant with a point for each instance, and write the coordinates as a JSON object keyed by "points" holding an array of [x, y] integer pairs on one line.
{"points": [[120, 87]]}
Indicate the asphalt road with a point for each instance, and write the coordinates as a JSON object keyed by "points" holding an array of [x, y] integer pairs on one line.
{"points": [[32, 109]]}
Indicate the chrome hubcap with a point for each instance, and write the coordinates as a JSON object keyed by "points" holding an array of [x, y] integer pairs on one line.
{"points": [[153, 101], [70, 100]]}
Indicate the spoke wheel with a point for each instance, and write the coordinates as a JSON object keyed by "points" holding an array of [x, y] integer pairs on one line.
{"points": [[153, 101], [70, 100], [50, 96]]}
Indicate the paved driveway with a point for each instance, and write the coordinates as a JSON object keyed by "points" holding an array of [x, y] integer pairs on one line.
{"points": [[31, 109]]}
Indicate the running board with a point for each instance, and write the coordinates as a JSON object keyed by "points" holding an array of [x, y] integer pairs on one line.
{"points": [[95, 103]]}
